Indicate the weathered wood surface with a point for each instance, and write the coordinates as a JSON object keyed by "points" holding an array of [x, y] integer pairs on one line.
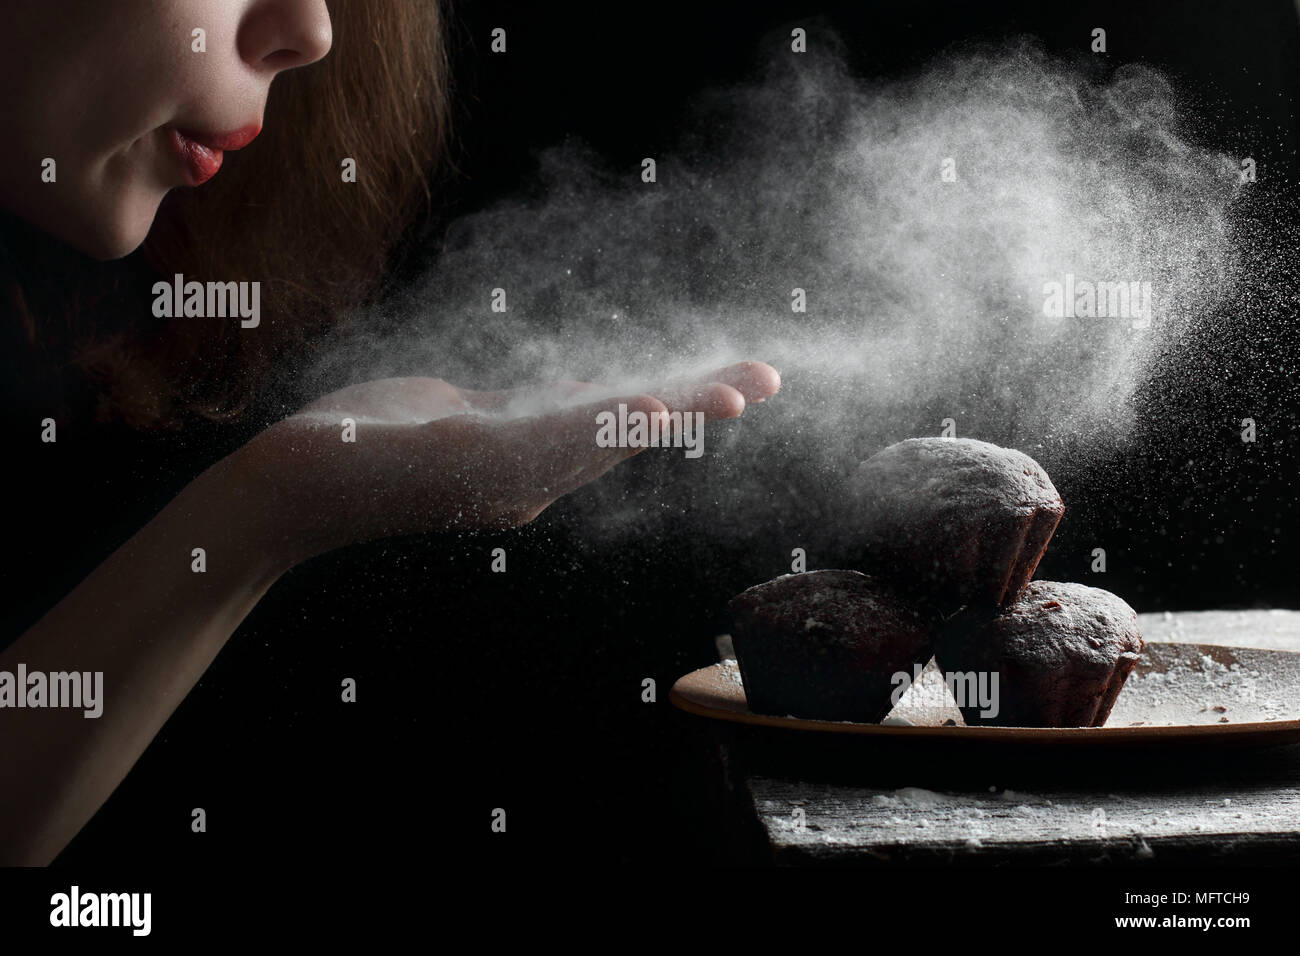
{"points": [[1185, 805]]}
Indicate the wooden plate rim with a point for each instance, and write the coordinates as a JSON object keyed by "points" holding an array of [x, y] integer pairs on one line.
{"points": [[1269, 728]]}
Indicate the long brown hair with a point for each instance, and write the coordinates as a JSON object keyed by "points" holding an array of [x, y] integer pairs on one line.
{"points": [[279, 213]]}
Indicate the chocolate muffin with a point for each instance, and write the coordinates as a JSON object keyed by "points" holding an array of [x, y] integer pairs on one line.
{"points": [[825, 645], [953, 521], [1062, 653]]}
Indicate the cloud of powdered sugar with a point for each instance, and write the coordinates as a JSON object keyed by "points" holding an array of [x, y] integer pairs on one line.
{"points": [[925, 293]]}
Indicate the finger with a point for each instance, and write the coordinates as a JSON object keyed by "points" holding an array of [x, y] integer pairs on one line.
{"points": [[755, 381], [714, 399]]}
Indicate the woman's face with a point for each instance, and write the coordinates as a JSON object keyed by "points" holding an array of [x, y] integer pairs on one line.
{"points": [[117, 95]]}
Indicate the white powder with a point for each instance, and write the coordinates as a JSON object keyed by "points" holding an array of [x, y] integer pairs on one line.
{"points": [[921, 293], [1199, 689]]}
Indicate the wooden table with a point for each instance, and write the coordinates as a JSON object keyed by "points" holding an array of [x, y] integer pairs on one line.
{"points": [[840, 800]]}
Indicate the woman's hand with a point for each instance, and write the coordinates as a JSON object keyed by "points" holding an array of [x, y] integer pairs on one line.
{"points": [[428, 456]]}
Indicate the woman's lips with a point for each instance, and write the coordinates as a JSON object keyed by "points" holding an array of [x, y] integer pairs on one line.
{"points": [[201, 153]]}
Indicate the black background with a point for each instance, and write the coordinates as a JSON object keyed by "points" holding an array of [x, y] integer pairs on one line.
{"points": [[522, 690]]}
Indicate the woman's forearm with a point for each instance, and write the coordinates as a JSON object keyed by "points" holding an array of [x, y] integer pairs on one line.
{"points": [[151, 624]]}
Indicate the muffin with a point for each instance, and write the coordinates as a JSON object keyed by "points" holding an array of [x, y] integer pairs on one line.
{"points": [[825, 645], [952, 521], [1062, 653]]}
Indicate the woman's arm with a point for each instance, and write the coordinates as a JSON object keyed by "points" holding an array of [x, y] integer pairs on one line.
{"points": [[152, 626]]}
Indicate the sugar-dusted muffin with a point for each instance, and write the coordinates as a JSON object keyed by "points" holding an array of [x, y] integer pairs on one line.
{"points": [[825, 645], [952, 521], [1062, 653]]}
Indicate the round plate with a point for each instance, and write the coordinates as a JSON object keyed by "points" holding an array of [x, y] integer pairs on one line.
{"points": [[1202, 692]]}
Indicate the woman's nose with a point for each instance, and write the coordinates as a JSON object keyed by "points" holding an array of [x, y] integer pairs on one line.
{"points": [[283, 34]]}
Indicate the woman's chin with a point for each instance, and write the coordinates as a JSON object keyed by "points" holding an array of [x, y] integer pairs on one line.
{"points": [[109, 238]]}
